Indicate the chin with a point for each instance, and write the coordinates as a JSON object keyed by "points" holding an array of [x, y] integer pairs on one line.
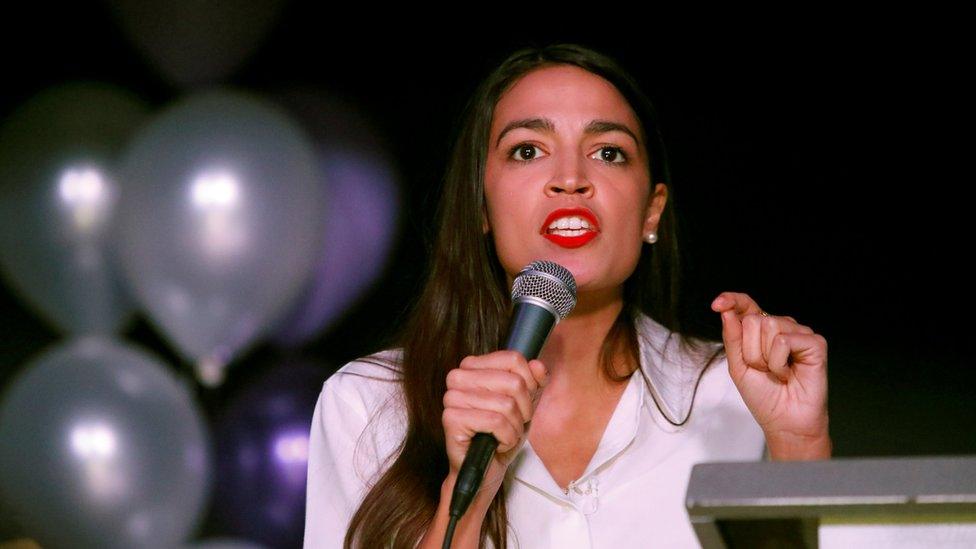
{"points": [[591, 280], [588, 275], [587, 278]]}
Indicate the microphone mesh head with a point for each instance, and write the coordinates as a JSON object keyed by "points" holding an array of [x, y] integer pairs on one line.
{"points": [[548, 281]]}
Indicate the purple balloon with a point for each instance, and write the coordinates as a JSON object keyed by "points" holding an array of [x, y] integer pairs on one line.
{"points": [[262, 455], [362, 205]]}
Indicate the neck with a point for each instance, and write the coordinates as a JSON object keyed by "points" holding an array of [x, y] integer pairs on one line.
{"points": [[572, 352]]}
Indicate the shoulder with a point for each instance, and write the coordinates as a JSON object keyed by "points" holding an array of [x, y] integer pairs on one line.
{"points": [[360, 411], [367, 382], [693, 383], [366, 396], [681, 370], [355, 431]]}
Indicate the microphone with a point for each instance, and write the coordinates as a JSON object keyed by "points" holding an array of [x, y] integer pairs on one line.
{"points": [[543, 293]]}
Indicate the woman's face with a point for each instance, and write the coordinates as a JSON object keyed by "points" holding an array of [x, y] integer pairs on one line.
{"points": [[565, 138]]}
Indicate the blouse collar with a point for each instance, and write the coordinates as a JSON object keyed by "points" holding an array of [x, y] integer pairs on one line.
{"points": [[671, 376]]}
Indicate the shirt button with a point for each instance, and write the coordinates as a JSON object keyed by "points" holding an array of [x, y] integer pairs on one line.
{"points": [[589, 505], [586, 496]]}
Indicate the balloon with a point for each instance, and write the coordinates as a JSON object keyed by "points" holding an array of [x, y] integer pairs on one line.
{"points": [[262, 455], [192, 42], [58, 194], [219, 223], [357, 175], [101, 446]]}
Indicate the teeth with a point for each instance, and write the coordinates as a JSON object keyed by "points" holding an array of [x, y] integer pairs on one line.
{"points": [[569, 232], [569, 223]]}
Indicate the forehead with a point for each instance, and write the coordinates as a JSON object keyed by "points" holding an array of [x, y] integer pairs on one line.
{"points": [[566, 94]]}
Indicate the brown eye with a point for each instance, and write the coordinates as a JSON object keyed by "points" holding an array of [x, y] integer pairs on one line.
{"points": [[523, 152], [608, 154]]}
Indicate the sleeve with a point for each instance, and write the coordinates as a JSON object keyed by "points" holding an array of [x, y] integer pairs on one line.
{"points": [[334, 487]]}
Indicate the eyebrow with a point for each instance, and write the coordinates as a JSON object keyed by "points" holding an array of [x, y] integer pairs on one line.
{"points": [[546, 125]]}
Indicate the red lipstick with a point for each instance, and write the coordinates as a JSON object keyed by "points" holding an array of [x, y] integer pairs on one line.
{"points": [[571, 241]]}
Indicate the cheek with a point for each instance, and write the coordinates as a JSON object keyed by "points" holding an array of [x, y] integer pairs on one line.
{"points": [[502, 217], [498, 209], [495, 195], [507, 208], [628, 243], [627, 238]]}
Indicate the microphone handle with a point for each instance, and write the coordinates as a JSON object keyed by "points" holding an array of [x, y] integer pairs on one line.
{"points": [[531, 325], [472, 471]]}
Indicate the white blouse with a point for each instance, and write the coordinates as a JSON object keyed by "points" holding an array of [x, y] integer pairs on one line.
{"points": [[631, 494]]}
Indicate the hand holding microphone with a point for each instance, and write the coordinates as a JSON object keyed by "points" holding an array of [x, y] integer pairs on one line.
{"points": [[494, 393], [493, 396]]}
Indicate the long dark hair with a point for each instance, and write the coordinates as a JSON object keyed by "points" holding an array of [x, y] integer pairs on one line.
{"points": [[464, 306]]}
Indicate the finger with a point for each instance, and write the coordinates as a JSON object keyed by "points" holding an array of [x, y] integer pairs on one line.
{"points": [[464, 423], [779, 356], [794, 326], [539, 372], [739, 302], [808, 352], [492, 381], [517, 408], [732, 336], [752, 342], [806, 357], [512, 361], [770, 327], [775, 325]]}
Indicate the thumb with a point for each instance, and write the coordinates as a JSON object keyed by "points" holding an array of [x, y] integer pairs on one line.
{"points": [[539, 371]]}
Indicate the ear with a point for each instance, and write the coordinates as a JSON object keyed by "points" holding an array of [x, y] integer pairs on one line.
{"points": [[485, 227], [655, 207]]}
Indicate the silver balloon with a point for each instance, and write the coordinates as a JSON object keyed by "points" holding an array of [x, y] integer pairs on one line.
{"points": [[219, 223], [58, 194], [101, 446]]}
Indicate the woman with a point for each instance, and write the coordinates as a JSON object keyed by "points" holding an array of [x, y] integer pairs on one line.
{"points": [[555, 160]]}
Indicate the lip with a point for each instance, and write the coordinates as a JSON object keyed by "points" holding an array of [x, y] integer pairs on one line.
{"points": [[585, 213], [571, 241]]}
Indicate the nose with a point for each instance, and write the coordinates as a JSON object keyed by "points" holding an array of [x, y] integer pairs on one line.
{"points": [[570, 178]]}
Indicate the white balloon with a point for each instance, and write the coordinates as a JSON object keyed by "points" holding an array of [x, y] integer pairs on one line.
{"points": [[102, 446], [58, 196], [218, 223]]}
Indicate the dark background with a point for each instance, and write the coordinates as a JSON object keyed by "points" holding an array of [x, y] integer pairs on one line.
{"points": [[817, 163]]}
